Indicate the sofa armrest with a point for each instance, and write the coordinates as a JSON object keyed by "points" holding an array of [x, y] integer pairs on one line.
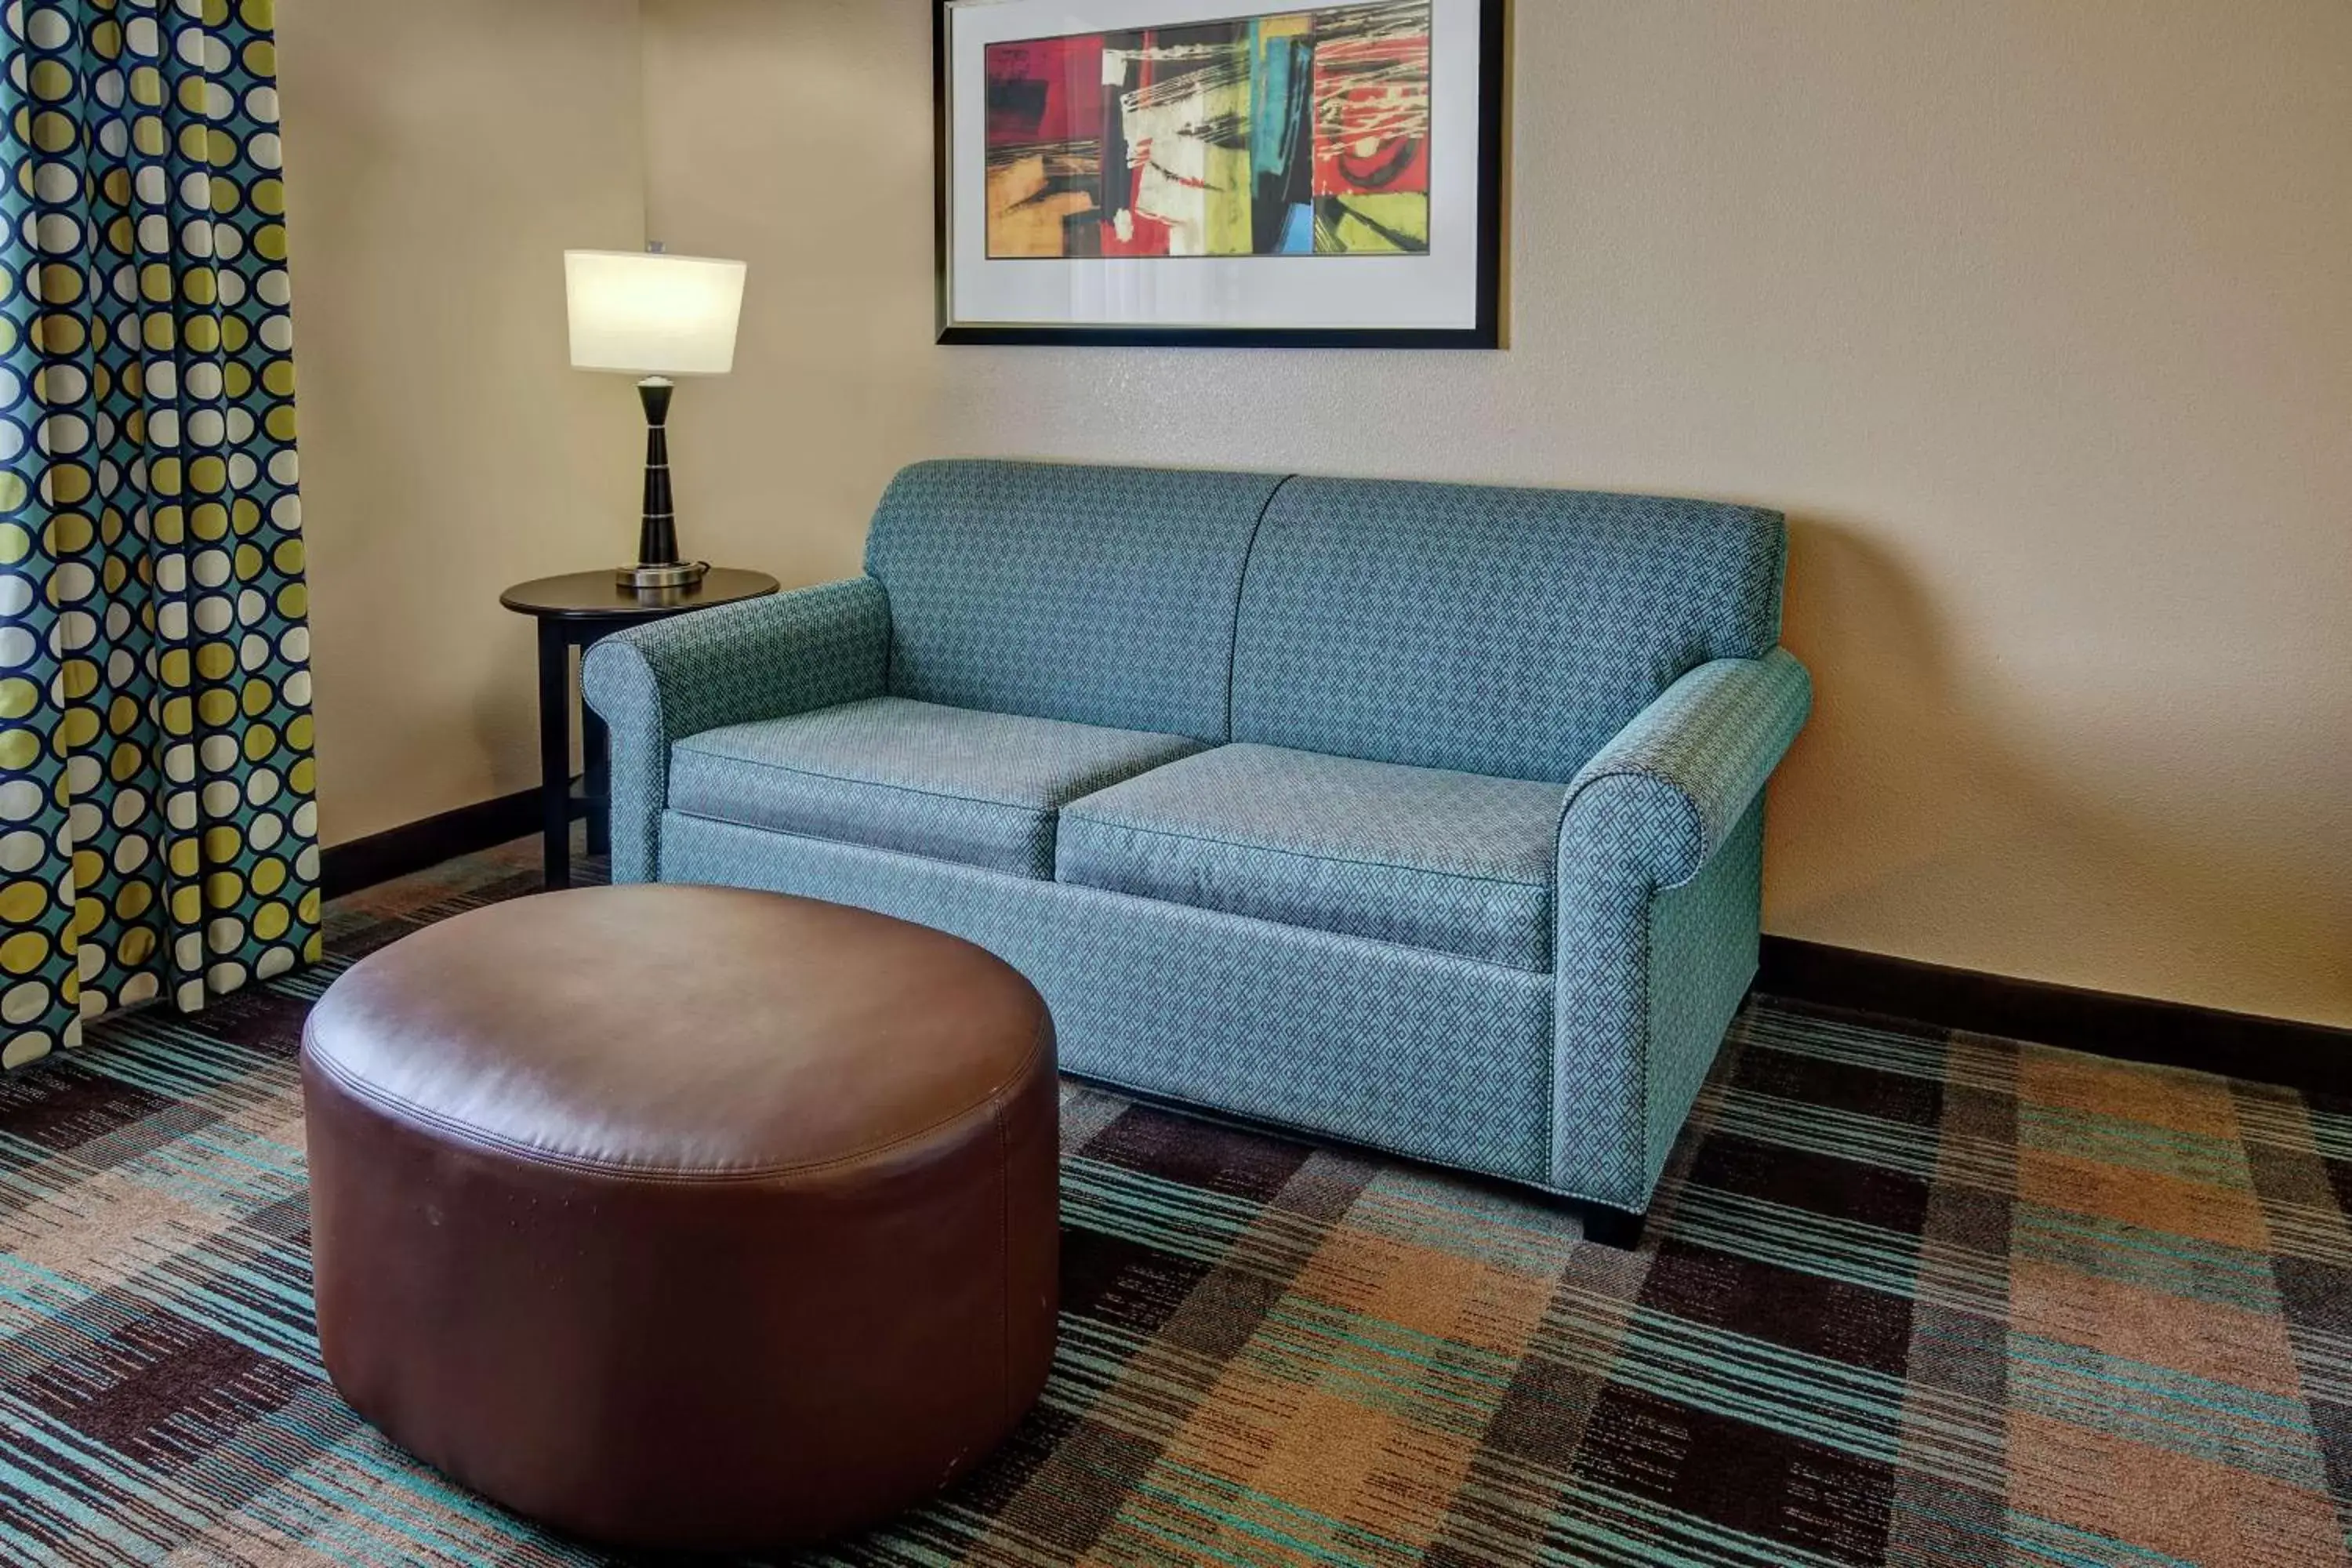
{"points": [[764, 658], [1661, 886], [1675, 783]]}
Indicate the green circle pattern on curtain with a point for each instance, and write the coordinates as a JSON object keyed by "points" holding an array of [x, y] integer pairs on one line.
{"points": [[158, 826]]}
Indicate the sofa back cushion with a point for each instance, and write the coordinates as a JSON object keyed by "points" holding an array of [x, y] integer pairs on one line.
{"points": [[1098, 596], [1509, 632]]}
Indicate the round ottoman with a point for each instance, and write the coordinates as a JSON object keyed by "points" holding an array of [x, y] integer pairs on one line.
{"points": [[685, 1218]]}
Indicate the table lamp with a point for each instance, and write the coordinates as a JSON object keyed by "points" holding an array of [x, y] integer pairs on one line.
{"points": [[655, 316]]}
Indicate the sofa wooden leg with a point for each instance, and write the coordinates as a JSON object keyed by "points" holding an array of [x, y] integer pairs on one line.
{"points": [[1612, 1228]]}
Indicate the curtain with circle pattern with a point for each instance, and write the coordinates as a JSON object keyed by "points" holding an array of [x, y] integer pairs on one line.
{"points": [[157, 824]]}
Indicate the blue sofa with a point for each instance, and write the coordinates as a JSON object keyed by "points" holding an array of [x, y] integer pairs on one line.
{"points": [[1425, 817]]}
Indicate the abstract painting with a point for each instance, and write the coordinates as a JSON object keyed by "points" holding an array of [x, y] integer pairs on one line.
{"points": [[1298, 133], [1149, 171]]}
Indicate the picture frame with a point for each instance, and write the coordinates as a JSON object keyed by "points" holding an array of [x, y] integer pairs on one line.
{"points": [[1325, 173]]}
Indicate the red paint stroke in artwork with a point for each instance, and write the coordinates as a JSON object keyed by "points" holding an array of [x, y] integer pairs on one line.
{"points": [[1046, 93], [1146, 235], [1371, 117]]}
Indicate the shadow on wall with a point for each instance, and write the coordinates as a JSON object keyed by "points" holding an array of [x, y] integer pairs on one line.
{"points": [[1958, 841]]}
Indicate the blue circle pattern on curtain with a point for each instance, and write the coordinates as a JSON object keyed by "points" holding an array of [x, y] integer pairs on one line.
{"points": [[158, 828]]}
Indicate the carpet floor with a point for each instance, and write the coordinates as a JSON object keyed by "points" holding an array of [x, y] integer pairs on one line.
{"points": [[1914, 1299]]}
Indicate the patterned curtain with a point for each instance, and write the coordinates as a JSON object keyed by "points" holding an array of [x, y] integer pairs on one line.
{"points": [[157, 825]]}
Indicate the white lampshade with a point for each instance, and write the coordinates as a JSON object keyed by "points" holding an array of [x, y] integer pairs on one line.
{"points": [[653, 315]]}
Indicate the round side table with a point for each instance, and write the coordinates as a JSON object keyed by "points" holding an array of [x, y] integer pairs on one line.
{"points": [[575, 613]]}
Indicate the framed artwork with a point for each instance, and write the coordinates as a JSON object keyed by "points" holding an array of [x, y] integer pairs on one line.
{"points": [[1326, 173]]}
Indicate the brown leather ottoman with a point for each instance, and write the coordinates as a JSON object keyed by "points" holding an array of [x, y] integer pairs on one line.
{"points": [[685, 1218]]}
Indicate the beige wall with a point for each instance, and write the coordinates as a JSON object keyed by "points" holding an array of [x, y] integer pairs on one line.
{"points": [[2033, 317], [441, 155]]}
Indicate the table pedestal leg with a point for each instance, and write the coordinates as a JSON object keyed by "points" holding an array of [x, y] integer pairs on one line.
{"points": [[597, 743], [555, 752]]}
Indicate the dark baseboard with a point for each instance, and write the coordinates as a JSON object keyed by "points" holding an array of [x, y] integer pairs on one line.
{"points": [[2302, 1056], [395, 852]]}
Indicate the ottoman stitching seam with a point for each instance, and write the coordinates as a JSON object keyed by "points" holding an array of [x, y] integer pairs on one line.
{"points": [[1005, 1260], [533, 1154]]}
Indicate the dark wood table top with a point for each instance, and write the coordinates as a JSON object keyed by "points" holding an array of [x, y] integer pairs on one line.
{"points": [[595, 596]]}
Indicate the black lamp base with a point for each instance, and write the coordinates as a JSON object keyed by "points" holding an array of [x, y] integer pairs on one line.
{"points": [[658, 567]]}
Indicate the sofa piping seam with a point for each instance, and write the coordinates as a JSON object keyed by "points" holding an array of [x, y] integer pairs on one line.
{"points": [[1548, 968], [1085, 819], [1241, 597], [1710, 842], [1682, 796], [1436, 954], [1040, 811], [927, 857]]}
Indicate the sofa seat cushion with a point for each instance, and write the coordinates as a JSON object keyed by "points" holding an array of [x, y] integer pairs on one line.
{"points": [[1449, 862], [953, 784]]}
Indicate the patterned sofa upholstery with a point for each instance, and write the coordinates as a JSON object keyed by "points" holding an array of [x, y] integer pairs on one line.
{"points": [[1426, 817]]}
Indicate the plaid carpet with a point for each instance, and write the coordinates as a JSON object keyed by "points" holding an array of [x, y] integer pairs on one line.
{"points": [[1915, 1299]]}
